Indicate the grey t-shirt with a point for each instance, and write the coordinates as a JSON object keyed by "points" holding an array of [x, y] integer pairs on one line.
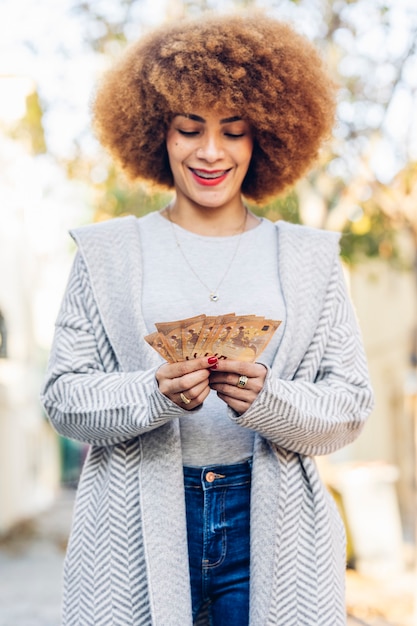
{"points": [[171, 291]]}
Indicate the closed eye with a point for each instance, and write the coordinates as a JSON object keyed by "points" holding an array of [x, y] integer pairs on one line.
{"points": [[188, 133]]}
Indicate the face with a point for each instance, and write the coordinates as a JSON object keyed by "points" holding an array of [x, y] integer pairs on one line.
{"points": [[209, 155]]}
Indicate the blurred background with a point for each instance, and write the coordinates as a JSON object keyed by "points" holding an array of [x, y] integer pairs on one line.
{"points": [[54, 176]]}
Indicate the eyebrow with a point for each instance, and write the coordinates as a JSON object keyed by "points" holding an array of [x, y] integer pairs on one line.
{"points": [[197, 118]]}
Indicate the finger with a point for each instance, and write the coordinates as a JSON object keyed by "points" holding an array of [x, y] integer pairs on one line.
{"points": [[193, 365], [241, 367], [233, 392], [175, 385], [168, 374], [230, 383], [239, 406], [230, 378], [176, 370], [191, 398], [195, 390]]}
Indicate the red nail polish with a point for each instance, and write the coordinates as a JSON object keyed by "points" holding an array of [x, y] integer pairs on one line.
{"points": [[211, 360], [213, 367]]}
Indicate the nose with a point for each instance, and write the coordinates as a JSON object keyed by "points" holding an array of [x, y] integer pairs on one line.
{"points": [[210, 148]]}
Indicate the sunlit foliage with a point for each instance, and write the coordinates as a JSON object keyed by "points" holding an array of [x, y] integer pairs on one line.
{"points": [[361, 185]]}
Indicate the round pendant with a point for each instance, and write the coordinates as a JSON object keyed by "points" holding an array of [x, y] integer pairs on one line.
{"points": [[214, 297]]}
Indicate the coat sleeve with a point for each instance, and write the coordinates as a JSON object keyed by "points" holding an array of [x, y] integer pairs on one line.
{"points": [[84, 395], [325, 405]]}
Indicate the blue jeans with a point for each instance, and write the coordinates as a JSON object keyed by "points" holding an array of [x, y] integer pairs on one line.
{"points": [[217, 500]]}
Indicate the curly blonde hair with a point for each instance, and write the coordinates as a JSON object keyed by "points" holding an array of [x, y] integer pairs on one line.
{"points": [[255, 66]]}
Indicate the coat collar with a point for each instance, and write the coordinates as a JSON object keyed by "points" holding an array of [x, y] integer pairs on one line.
{"points": [[112, 253], [306, 258]]}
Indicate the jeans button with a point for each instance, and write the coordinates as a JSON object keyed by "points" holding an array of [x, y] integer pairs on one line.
{"points": [[210, 476]]}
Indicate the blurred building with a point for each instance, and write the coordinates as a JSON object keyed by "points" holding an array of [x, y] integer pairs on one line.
{"points": [[37, 206], [376, 475], [29, 465]]}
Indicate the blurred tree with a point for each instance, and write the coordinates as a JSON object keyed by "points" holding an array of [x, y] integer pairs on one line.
{"points": [[29, 129], [370, 47], [374, 60], [398, 203]]}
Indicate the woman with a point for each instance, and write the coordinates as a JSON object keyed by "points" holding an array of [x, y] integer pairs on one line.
{"points": [[200, 499]]}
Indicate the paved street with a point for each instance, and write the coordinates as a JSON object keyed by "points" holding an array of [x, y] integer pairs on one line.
{"points": [[31, 565]]}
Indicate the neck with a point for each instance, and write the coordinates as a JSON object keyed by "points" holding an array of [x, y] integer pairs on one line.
{"points": [[211, 221]]}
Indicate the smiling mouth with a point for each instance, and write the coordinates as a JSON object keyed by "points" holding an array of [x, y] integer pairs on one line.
{"points": [[209, 178], [209, 175]]}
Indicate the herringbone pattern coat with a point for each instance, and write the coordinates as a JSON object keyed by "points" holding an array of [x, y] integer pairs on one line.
{"points": [[126, 563]]}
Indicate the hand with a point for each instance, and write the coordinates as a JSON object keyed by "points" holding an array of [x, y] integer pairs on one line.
{"points": [[224, 380], [186, 383]]}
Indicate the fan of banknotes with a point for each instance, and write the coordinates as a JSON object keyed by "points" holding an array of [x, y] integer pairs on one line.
{"points": [[231, 336]]}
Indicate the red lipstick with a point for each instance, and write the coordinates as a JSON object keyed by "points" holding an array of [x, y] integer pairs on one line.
{"points": [[209, 178]]}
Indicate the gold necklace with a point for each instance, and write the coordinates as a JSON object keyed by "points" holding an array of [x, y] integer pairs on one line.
{"points": [[213, 293]]}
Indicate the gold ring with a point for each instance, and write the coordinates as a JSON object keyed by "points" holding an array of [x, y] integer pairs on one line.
{"points": [[185, 399], [242, 381]]}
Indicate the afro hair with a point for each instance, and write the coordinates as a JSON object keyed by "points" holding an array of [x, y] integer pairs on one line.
{"points": [[253, 65]]}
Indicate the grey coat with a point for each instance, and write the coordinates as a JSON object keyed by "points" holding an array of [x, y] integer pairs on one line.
{"points": [[126, 563]]}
